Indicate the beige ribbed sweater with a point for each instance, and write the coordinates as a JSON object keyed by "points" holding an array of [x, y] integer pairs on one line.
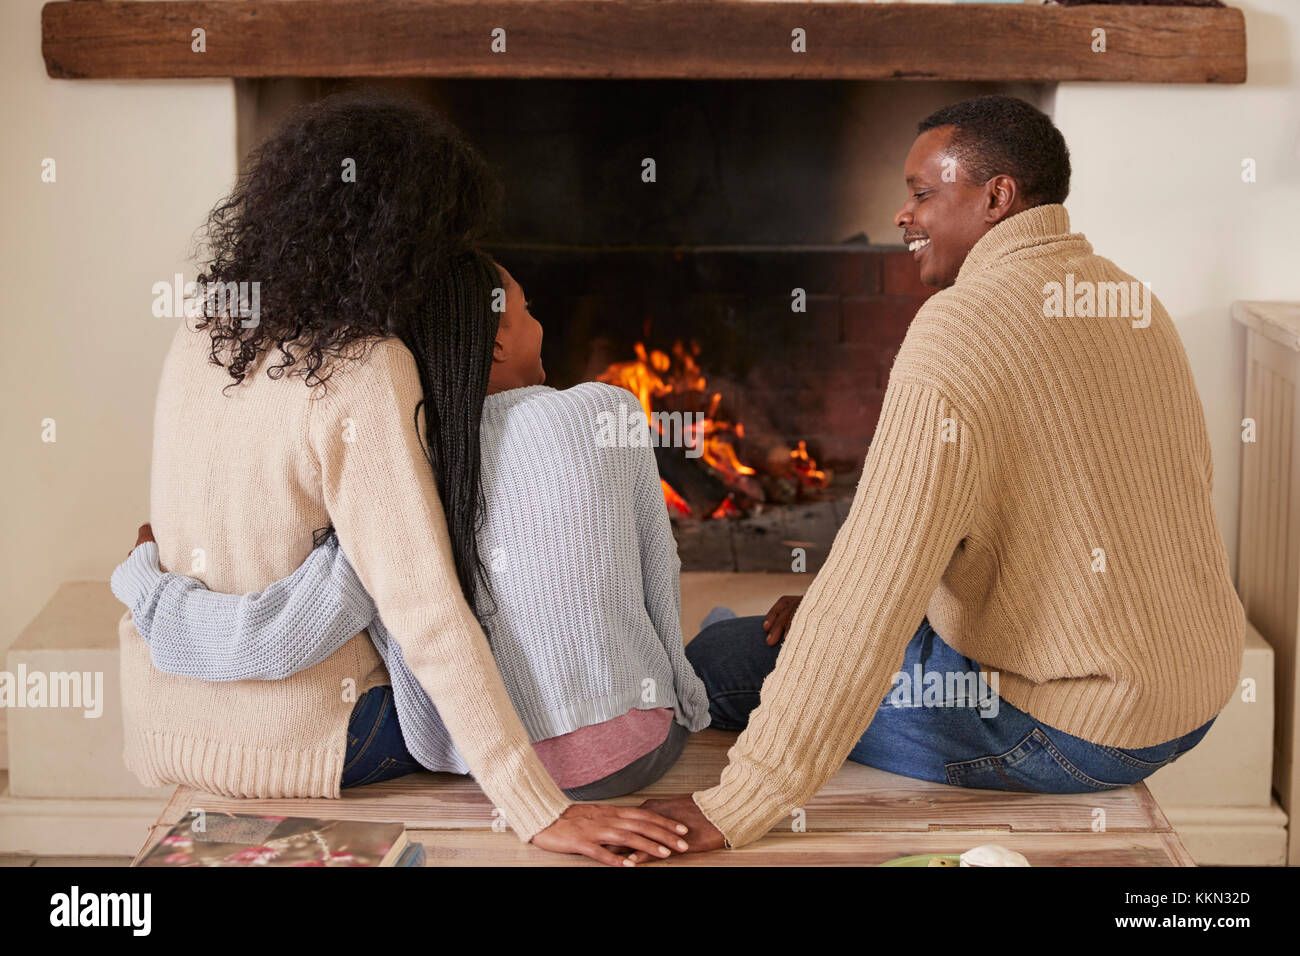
{"points": [[1071, 434], [240, 482]]}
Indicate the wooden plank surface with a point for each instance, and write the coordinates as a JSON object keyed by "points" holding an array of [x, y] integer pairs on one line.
{"points": [[722, 39], [857, 801], [479, 848]]}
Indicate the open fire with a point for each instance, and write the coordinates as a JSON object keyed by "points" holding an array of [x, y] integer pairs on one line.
{"points": [[716, 483]]}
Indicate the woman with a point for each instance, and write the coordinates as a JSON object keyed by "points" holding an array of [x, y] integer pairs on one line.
{"points": [[359, 218], [582, 582]]}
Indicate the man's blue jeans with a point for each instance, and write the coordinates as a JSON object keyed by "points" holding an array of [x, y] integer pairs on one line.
{"points": [[949, 734]]}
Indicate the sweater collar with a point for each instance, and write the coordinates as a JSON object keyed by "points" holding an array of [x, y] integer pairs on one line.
{"points": [[499, 401], [1036, 226]]}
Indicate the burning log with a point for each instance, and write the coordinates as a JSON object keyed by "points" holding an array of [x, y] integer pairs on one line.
{"points": [[695, 483], [792, 475], [714, 482]]}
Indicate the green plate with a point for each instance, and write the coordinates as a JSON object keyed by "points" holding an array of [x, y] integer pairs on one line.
{"points": [[922, 860]]}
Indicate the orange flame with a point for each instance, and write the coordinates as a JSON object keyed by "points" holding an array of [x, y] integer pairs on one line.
{"points": [[643, 377], [727, 509], [806, 468], [675, 501], [654, 374]]}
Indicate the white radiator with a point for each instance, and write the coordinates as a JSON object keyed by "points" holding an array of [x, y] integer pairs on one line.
{"points": [[1268, 564]]}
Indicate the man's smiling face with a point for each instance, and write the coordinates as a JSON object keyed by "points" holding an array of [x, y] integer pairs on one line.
{"points": [[945, 215]]}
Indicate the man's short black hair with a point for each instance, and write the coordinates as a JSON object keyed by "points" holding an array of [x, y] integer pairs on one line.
{"points": [[1003, 135]]}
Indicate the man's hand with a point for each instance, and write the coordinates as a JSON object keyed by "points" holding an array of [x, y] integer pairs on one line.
{"points": [[704, 835], [778, 619], [145, 534], [588, 828]]}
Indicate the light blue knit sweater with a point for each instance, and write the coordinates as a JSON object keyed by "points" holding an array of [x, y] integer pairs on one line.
{"points": [[580, 560]]}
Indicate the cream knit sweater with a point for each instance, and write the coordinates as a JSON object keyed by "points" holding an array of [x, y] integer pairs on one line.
{"points": [[240, 482], [1041, 486]]}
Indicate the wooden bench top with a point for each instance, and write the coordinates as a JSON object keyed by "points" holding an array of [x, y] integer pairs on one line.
{"points": [[863, 816]]}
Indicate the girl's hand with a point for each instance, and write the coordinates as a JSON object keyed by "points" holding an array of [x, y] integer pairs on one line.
{"points": [[145, 534], [588, 828], [778, 619]]}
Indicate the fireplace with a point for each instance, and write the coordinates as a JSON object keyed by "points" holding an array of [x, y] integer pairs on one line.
{"points": [[753, 276]]}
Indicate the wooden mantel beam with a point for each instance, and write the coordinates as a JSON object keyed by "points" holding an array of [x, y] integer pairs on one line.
{"points": [[722, 39]]}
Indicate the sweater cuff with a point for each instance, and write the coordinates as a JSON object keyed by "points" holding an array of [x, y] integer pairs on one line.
{"points": [[135, 578], [741, 806], [535, 809], [708, 815]]}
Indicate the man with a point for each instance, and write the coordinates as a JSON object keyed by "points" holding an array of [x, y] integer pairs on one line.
{"points": [[1035, 509]]}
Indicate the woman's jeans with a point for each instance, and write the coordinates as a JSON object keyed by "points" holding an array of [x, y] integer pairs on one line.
{"points": [[376, 751], [957, 732]]}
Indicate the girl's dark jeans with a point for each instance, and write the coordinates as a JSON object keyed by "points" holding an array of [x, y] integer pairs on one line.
{"points": [[377, 752]]}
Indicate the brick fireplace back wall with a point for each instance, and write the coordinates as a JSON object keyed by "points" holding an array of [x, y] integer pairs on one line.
{"points": [[819, 375]]}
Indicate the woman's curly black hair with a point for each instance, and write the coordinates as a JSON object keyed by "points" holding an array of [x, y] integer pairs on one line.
{"points": [[361, 217]]}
